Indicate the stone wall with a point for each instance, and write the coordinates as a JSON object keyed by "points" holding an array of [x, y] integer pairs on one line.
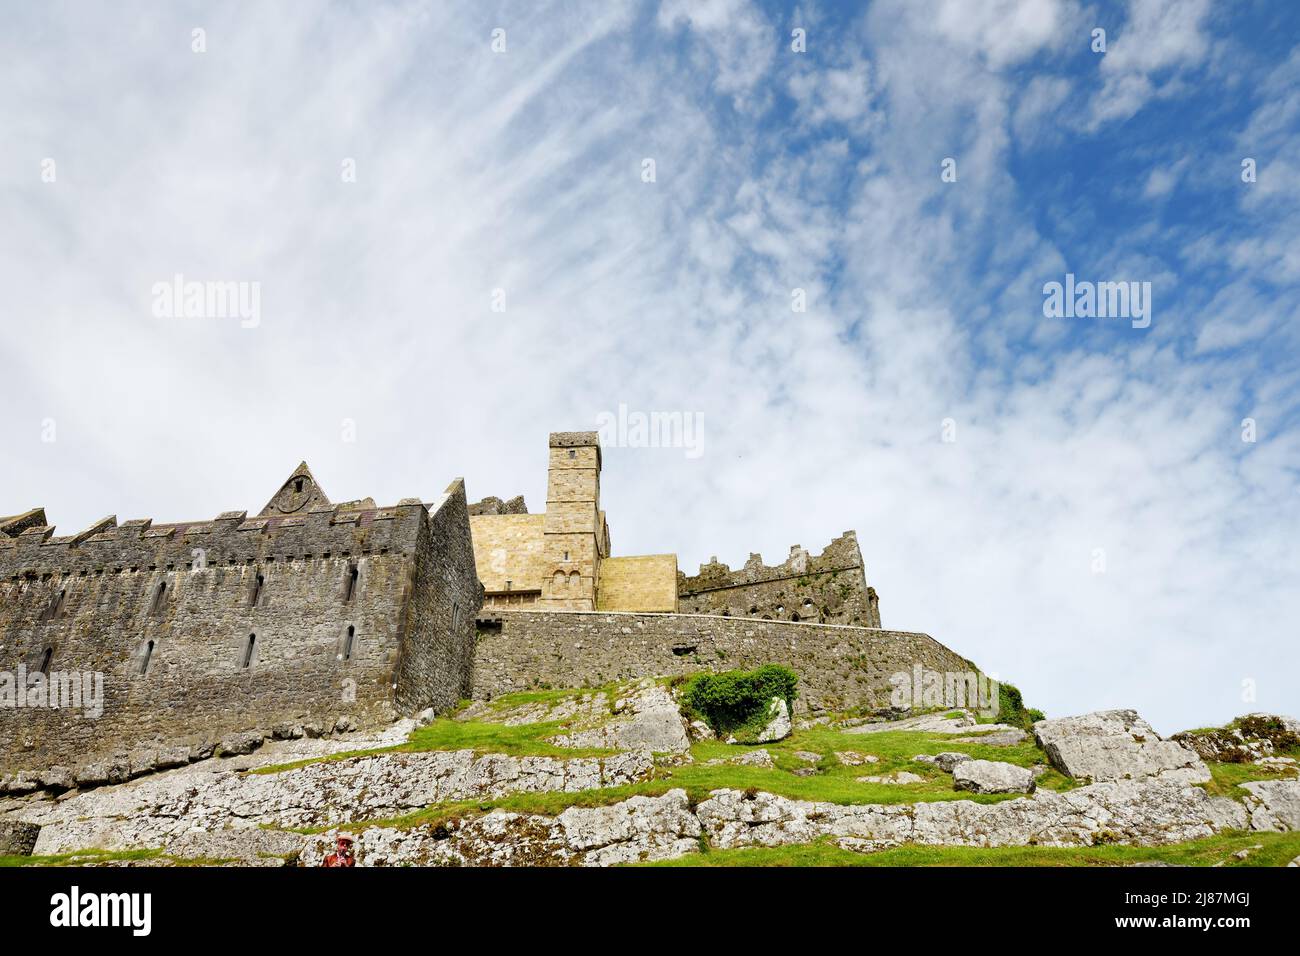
{"points": [[828, 588], [205, 629], [437, 638], [645, 582], [839, 667]]}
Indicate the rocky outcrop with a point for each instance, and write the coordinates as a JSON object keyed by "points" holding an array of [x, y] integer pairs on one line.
{"points": [[1146, 814], [778, 724], [152, 811], [17, 838], [648, 719], [635, 830], [1274, 804], [1116, 745], [991, 776], [1254, 738]]}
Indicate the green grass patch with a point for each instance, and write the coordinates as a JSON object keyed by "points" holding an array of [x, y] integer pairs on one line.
{"points": [[1278, 850], [80, 857]]}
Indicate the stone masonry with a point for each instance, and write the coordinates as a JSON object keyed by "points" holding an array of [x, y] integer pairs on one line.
{"points": [[307, 615], [839, 667]]}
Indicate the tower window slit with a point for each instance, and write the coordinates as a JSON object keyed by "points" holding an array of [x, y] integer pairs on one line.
{"points": [[350, 583], [347, 644], [248, 651]]}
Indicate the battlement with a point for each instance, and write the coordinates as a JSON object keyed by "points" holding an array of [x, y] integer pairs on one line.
{"points": [[316, 614], [829, 587]]}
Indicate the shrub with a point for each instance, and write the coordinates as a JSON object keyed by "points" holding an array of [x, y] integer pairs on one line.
{"points": [[1012, 710], [736, 699]]}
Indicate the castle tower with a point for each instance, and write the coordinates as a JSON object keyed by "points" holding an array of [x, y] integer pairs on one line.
{"points": [[574, 534]]}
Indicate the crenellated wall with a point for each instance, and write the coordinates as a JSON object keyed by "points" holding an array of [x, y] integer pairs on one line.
{"points": [[827, 588], [167, 614], [839, 667]]}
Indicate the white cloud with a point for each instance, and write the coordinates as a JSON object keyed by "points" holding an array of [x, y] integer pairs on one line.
{"points": [[522, 172]]}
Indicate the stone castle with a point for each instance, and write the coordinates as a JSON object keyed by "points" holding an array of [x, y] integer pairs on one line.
{"points": [[313, 617]]}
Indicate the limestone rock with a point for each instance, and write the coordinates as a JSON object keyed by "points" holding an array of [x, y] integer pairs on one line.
{"points": [[851, 758], [699, 730], [754, 758], [778, 724], [991, 776], [637, 829], [240, 743], [17, 837], [649, 720], [897, 777], [949, 759], [1150, 813], [807, 756], [1274, 804], [1116, 745], [1249, 738]]}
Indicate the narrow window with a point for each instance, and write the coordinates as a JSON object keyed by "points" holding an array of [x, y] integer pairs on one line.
{"points": [[56, 605], [248, 651], [145, 658], [257, 590], [45, 661], [297, 486], [347, 644], [566, 556], [159, 599], [572, 453], [559, 580], [573, 580], [350, 583]]}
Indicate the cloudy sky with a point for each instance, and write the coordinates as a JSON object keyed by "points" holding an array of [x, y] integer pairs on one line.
{"points": [[458, 248]]}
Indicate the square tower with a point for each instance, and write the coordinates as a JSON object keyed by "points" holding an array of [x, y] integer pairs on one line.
{"points": [[574, 537]]}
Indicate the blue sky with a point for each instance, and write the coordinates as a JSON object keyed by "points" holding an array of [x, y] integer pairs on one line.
{"points": [[775, 170]]}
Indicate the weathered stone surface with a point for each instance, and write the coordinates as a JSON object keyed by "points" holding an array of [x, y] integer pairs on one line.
{"points": [[922, 723], [1274, 804], [807, 756], [699, 730], [897, 777], [991, 776], [752, 758], [648, 720], [1250, 738], [852, 758], [248, 846], [573, 649], [1129, 812], [90, 599], [17, 837], [778, 724], [949, 759], [242, 743], [637, 829], [152, 810], [1116, 745]]}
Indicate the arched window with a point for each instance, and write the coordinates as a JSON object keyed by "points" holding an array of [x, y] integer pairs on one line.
{"points": [[258, 584], [146, 655], [350, 583], [573, 581], [559, 580], [348, 641], [45, 661], [248, 651]]}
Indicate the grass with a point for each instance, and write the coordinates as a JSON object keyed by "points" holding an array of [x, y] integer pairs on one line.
{"points": [[1278, 850], [1227, 777], [481, 736], [80, 857]]}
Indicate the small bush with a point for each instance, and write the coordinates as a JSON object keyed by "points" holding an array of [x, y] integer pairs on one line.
{"points": [[736, 699], [1012, 710]]}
